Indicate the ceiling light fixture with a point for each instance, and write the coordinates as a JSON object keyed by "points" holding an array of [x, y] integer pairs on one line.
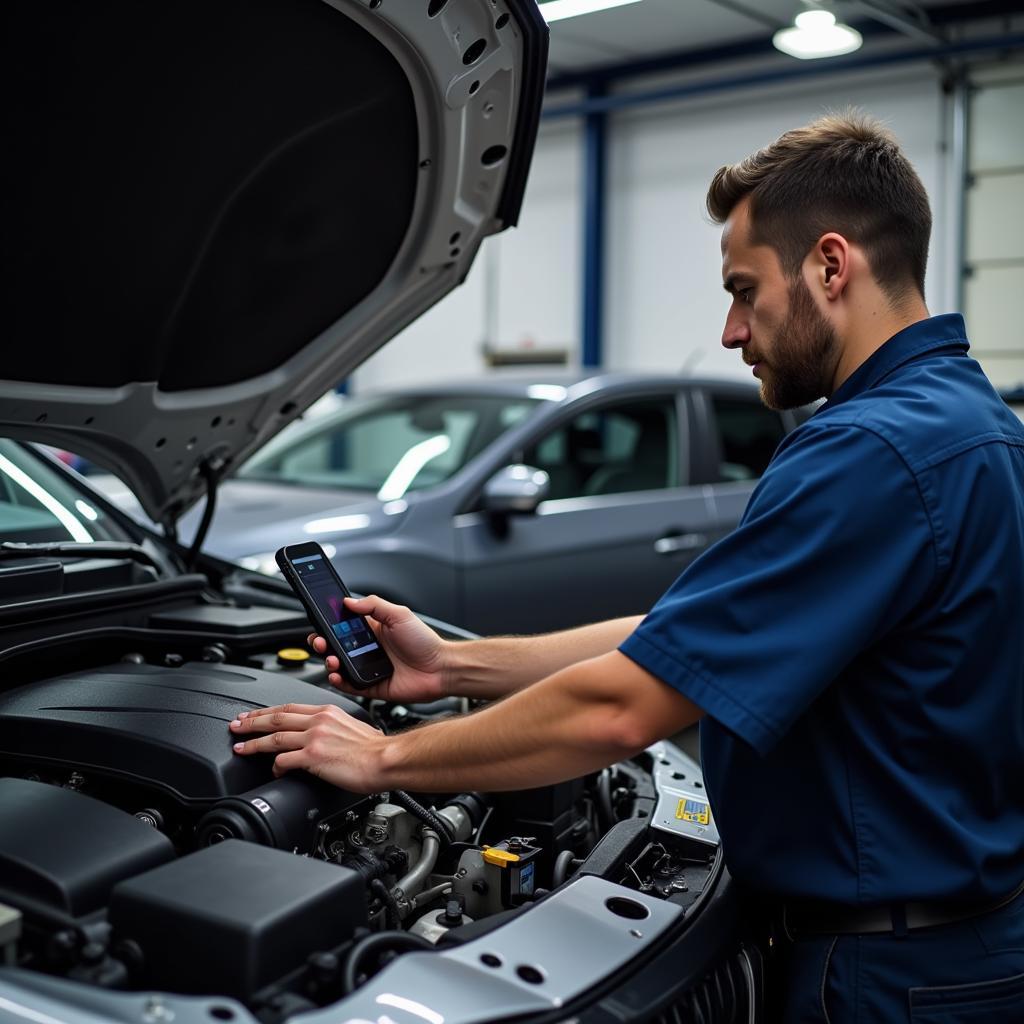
{"points": [[816, 34], [556, 10]]}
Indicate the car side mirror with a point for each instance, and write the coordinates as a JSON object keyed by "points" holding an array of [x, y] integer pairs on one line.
{"points": [[516, 488]]}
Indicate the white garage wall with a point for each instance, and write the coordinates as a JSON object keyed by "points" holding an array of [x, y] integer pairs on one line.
{"points": [[664, 304], [994, 250]]}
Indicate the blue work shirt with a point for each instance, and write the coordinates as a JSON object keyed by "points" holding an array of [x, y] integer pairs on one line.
{"points": [[858, 642]]}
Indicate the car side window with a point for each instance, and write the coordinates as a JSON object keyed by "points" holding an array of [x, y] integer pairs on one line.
{"points": [[748, 434], [618, 448]]}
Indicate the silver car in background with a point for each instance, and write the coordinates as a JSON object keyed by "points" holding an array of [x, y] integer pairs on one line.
{"points": [[509, 505]]}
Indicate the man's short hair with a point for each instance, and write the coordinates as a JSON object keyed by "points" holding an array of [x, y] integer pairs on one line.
{"points": [[843, 173]]}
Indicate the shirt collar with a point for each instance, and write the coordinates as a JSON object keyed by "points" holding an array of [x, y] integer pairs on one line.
{"points": [[937, 332]]}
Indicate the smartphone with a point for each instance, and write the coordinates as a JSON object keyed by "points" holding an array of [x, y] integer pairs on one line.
{"points": [[318, 586]]}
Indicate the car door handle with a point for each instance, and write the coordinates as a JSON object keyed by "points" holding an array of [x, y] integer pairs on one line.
{"points": [[680, 542]]}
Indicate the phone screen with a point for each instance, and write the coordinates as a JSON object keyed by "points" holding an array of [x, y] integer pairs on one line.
{"points": [[350, 630]]}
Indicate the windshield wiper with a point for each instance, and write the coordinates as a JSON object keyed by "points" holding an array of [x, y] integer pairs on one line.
{"points": [[74, 549]]}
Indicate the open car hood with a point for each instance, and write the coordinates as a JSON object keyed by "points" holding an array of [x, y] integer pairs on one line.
{"points": [[220, 209]]}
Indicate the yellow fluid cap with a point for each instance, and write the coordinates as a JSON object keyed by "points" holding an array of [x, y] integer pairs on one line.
{"points": [[502, 858], [292, 657]]}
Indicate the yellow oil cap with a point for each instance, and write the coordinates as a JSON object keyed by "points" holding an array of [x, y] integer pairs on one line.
{"points": [[492, 855], [292, 657]]}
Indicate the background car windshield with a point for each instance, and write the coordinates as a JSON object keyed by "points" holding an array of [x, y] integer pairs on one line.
{"points": [[390, 446], [37, 504]]}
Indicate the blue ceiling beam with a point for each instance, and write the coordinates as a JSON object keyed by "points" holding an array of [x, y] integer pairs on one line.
{"points": [[595, 161], [942, 18], [805, 69]]}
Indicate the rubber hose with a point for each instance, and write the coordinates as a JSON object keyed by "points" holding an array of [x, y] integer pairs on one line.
{"points": [[482, 825], [428, 858], [392, 917], [378, 943], [438, 824], [560, 872], [428, 895], [204, 524], [604, 798]]}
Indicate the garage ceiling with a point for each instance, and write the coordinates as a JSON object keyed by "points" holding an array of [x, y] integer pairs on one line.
{"points": [[640, 31]]}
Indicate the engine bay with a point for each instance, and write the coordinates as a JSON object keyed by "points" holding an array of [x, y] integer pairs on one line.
{"points": [[138, 853]]}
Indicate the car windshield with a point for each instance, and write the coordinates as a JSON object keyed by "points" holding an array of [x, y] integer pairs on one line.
{"points": [[39, 504], [389, 445]]}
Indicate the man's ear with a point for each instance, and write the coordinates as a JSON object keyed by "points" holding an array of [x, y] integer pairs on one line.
{"points": [[831, 264]]}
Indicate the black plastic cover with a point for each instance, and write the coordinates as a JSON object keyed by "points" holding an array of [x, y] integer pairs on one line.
{"points": [[229, 620], [246, 914], [166, 727], [31, 580], [67, 851]]}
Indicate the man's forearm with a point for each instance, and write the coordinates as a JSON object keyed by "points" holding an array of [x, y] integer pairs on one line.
{"points": [[577, 721], [586, 716], [497, 666]]}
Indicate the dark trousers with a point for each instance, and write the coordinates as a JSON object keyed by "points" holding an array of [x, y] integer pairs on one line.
{"points": [[969, 972]]}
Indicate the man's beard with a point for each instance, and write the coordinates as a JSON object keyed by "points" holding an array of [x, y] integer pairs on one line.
{"points": [[803, 355]]}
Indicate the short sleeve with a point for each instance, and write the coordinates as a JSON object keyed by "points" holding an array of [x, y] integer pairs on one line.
{"points": [[835, 548]]}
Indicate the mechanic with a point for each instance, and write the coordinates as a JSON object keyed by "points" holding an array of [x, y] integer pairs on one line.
{"points": [[856, 644]]}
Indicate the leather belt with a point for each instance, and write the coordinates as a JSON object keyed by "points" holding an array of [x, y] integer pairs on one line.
{"points": [[808, 918]]}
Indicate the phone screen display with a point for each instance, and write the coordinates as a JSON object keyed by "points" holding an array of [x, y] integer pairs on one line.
{"points": [[350, 630]]}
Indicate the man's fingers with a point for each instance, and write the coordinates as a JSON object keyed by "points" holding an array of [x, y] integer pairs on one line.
{"points": [[272, 744], [276, 721], [296, 709], [319, 644], [384, 612], [289, 762]]}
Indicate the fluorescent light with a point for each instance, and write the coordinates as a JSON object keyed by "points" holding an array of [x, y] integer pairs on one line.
{"points": [[816, 34], [556, 10], [410, 464]]}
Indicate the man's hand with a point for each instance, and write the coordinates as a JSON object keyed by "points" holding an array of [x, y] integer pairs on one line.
{"points": [[415, 650], [322, 739], [574, 722]]}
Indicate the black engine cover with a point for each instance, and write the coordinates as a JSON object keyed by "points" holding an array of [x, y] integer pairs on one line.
{"points": [[245, 914], [163, 727], [66, 851]]}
